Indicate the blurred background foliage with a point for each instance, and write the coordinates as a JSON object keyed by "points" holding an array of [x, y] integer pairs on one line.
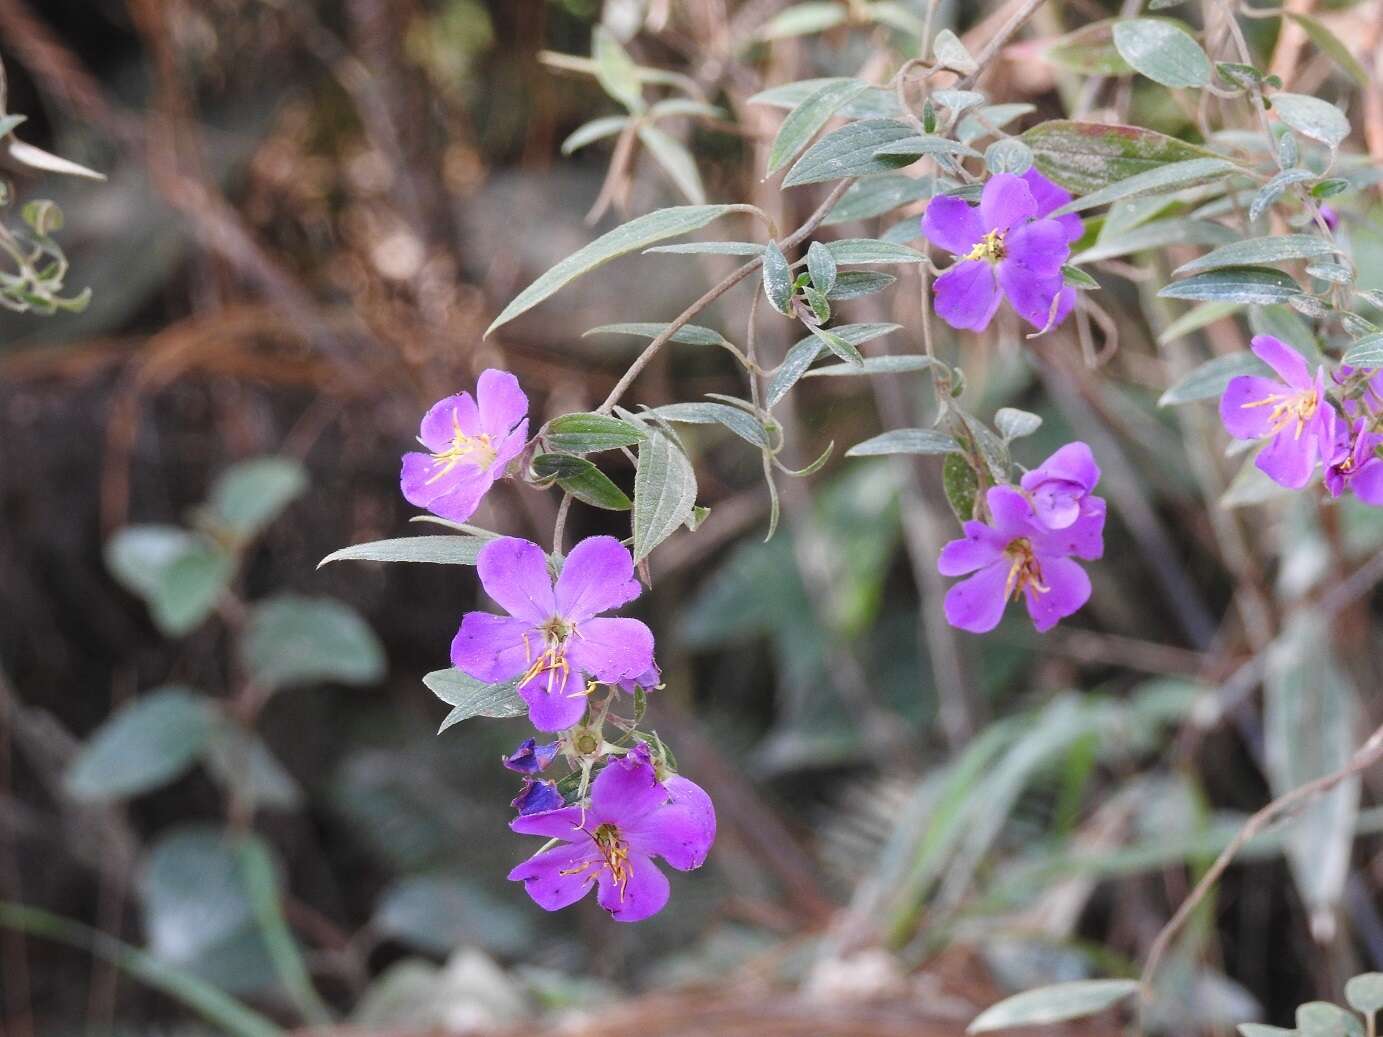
{"points": [[224, 758]]}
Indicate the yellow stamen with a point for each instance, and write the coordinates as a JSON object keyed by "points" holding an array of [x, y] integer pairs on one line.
{"points": [[1024, 572], [1300, 407], [464, 449], [990, 247]]}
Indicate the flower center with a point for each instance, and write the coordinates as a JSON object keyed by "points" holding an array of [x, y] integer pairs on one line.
{"points": [[990, 247], [615, 851], [1300, 407], [1024, 570], [552, 660], [464, 449]]}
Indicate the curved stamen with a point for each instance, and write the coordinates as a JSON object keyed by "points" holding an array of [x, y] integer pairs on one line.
{"points": [[464, 449]]}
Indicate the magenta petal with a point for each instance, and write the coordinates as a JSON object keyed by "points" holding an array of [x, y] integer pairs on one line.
{"points": [[627, 790], [1083, 538], [1031, 296], [952, 224], [464, 494], [1074, 463], [1282, 358], [561, 876], [1012, 513], [1289, 458], [1242, 408], [611, 650], [427, 484], [502, 404], [967, 296], [556, 700], [597, 576], [509, 448], [1005, 202], [643, 894], [514, 572], [563, 823], [1367, 483], [1039, 247], [444, 417], [1067, 589], [979, 547], [977, 604], [682, 831], [493, 648], [1050, 197]]}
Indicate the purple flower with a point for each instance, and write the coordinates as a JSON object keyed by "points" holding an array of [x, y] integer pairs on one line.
{"points": [[1016, 554], [530, 757], [1331, 217], [469, 443], [537, 797], [1002, 244], [1354, 463], [1294, 412], [554, 635], [648, 680], [1059, 486], [610, 844]]}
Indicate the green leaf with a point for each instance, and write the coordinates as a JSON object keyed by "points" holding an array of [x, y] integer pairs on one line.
{"points": [[803, 19], [1008, 155], [1162, 50], [690, 334], [261, 880], [1078, 278], [1171, 177], [877, 195], [1086, 156], [677, 162], [1263, 1030], [636, 234], [961, 486], [1196, 318], [1331, 46], [250, 495], [685, 106], [180, 575], [951, 53], [596, 129], [1054, 1004], [850, 151], [1276, 249], [241, 762], [1013, 423], [706, 248], [805, 120], [805, 351], [1312, 117], [865, 251], [1274, 189], [894, 15], [589, 433], [9, 122], [821, 308], [582, 479], [978, 123], [821, 264], [905, 441], [840, 346], [615, 70], [1322, 1019], [439, 550], [291, 639], [144, 744], [1208, 381], [958, 100], [1365, 993], [875, 102], [1367, 352], [1089, 51], [469, 697], [738, 421], [1153, 236], [915, 146], [664, 492], [874, 365], [1281, 322], [439, 913], [1250, 284], [777, 279], [854, 284]]}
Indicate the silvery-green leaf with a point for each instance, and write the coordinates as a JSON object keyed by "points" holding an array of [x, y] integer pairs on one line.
{"points": [[951, 53], [1274, 188], [689, 334], [1009, 155], [291, 639], [241, 762], [873, 103], [866, 251], [439, 550], [439, 913], [1276, 249], [677, 162], [684, 106], [589, 433], [9, 122], [1198, 317], [664, 492], [961, 486], [615, 70], [582, 479], [1170, 177], [988, 119], [808, 348], [905, 441], [37, 158], [1331, 46], [708, 248], [874, 365], [1089, 51], [958, 100], [1078, 278], [877, 195], [853, 284], [895, 15], [1365, 993], [1367, 352], [1323, 1019], [777, 278], [803, 19], [1013, 423], [914, 147], [469, 697], [1312, 117], [1282, 323], [180, 575], [630, 237], [1156, 235], [1162, 50], [821, 264], [1250, 284], [820, 307], [1264, 1030], [1208, 381], [905, 230], [841, 347], [1086, 156], [803, 122], [1333, 273], [1054, 1004], [738, 421], [590, 132], [249, 495], [144, 744], [850, 151]]}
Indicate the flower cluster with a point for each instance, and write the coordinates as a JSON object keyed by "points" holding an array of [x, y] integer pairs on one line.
{"points": [[1027, 545], [1308, 420], [620, 805]]}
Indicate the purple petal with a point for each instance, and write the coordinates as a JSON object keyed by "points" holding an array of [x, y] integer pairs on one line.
{"points": [[952, 224], [597, 576], [1049, 197], [559, 877], [514, 572], [509, 448], [1289, 458], [626, 791], [1243, 409], [1012, 513], [1039, 247], [1031, 296], [494, 648], [445, 417], [979, 547], [502, 404], [1067, 589], [530, 757], [650, 679], [454, 494], [682, 831], [537, 797], [563, 823], [1367, 483], [1282, 358], [977, 604], [967, 296], [1006, 201], [556, 699], [1059, 484], [1331, 217], [642, 895], [1083, 538], [611, 650]]}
